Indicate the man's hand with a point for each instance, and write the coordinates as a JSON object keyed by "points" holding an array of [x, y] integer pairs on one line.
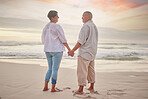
{"points": [[71, 53]]}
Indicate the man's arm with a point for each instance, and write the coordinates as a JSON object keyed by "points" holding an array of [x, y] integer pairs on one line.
{"points": [[83, 35], [76, 47], [71, 53]]}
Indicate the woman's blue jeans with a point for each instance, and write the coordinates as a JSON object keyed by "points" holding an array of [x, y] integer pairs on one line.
{"points": [[54, 60]]}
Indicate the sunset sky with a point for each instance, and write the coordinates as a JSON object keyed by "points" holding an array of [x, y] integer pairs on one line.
{"points": [[119, 14], [124, 20]]}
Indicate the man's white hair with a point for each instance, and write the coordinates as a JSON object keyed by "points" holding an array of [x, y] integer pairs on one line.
{"points": [[89, 13]]}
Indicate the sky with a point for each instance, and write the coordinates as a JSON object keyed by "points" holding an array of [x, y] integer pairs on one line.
{"points": [[118, 14], [115, 19]]}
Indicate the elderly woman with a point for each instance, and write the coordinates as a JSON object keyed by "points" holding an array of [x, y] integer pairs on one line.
{"points": [[54, 42]]}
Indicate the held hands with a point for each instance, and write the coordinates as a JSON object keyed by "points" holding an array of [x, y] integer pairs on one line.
{"points": [[71, 53]]}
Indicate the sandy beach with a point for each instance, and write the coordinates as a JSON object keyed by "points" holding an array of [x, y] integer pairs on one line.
{"points": [[25, 81]]}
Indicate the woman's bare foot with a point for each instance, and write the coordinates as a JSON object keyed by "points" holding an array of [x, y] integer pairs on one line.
{"points": [[55, 90], [46, 86], [45, 89]]}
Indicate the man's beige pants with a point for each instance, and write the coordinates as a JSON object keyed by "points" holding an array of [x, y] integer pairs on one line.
{"points": [[85, 71]]}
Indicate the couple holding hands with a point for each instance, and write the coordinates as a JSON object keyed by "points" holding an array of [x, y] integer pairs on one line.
{"points": [[55, 42]]}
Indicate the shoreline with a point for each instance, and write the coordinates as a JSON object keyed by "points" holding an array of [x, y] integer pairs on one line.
{"points": [[107, 66]]}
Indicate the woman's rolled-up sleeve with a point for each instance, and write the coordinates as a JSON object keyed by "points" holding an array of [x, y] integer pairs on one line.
{"points": [[61, 34]]}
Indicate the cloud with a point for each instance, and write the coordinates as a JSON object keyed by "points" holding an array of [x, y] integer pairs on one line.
{"points": [[9, 2], [73, 3], [130, 23], [123, 14], [113, 6], [134, 17], [49, 1], [117, 5]]}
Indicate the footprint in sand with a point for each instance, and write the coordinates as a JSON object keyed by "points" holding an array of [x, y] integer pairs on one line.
{"points": [[59, 89], [66, 88], [84, 96], [96, 92], [88, 95], [115, 92]]}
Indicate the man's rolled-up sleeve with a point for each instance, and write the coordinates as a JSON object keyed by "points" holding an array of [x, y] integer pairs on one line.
{"points": [[83, 36]]}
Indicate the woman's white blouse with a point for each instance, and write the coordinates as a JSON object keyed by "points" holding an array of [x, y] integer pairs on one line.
{"points": [[53, 38]]}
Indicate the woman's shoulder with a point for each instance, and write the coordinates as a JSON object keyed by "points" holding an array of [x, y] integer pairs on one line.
{"points": [[47, 25], [55, 25], [58, 26]]}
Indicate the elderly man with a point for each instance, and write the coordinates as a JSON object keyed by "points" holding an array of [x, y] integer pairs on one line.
{"points": [[87, 44]]}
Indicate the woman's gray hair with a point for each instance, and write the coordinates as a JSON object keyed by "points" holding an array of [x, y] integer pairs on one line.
{"points": [[52, 14]]}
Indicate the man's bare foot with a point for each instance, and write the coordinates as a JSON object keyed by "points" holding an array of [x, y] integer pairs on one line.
{"points": [[90, 89], [78, 92], [45, 89]]}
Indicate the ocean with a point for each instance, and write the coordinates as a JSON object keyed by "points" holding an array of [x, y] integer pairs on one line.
{"points": [[121, 52]]}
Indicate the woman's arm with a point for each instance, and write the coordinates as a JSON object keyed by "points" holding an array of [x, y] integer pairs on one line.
{"points": [[62, 37], [67, 46], [71, 53]]}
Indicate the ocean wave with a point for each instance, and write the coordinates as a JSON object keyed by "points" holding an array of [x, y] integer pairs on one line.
{"points": [[113, 47], [22, 55], [117, 43], [100, 45], [124, 44], [105, 58], [131, 57], [105, 52], [124, 58], [15, 43]]}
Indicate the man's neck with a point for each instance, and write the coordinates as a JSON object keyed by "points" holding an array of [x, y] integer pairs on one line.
{"points": [[87, 21]]}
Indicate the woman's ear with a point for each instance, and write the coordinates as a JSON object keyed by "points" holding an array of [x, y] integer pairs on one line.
{"points": [[52, 19]]}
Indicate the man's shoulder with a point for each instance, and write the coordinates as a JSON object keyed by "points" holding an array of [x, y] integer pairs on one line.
{"points": [[89, 23], [85, 26]]}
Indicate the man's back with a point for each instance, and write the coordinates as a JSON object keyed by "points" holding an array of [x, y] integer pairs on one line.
{"points": [[88, 38]]}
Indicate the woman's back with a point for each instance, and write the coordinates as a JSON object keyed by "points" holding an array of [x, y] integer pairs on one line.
{"points": [[53, 38]]}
